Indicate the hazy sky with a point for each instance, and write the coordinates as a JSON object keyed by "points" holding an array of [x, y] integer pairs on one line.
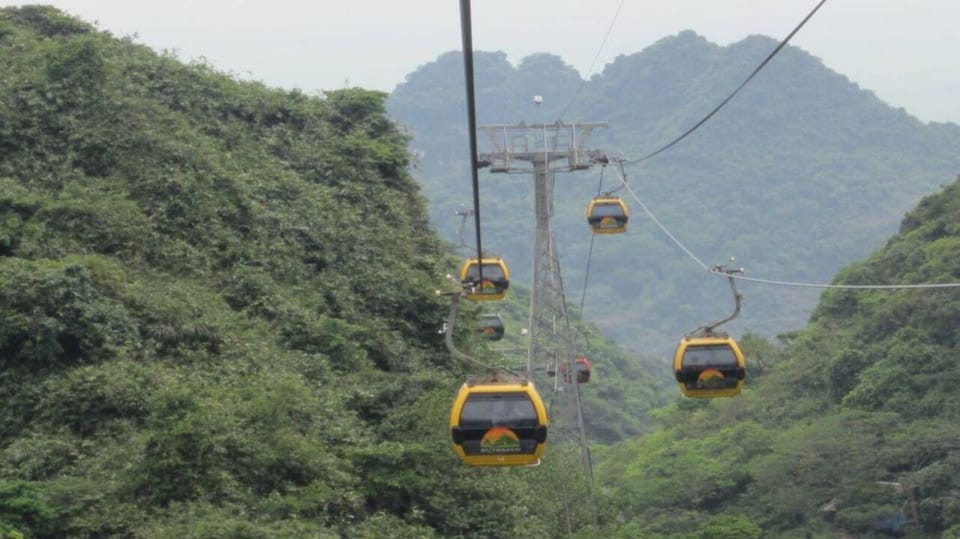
{"points": [[907, 52]]}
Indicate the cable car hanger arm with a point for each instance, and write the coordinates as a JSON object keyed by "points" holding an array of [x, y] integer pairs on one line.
{"points": [[737, 298]]}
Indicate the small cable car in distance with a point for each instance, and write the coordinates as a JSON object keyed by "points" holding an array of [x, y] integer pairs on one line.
{"points": [[491, 327], [709, 366], [496, 278], [498, 422], [582, 367], [608, 215]]}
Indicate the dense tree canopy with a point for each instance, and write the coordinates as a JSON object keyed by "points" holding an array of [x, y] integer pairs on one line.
{"points": [[217, 309], [218, 319]]}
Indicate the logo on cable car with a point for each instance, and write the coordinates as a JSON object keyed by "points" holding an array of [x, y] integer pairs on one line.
{"points": [[711, 378], [608, 222], [488, 286], [500, 440]]}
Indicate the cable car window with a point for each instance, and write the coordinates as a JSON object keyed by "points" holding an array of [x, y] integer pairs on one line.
{"points": [[607, 210], [504, 409], [491, 327], [504, 423], [717, 356], [491, 272]]}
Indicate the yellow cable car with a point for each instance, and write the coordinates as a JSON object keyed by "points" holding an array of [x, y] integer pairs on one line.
{"points": [[709, 366], [498, 423], [608, 215], [491, 327], [496, 279]]}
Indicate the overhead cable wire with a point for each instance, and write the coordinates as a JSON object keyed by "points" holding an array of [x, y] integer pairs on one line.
{"points": [[467, 33], [735, 92], [588, 459], [586, 275], [845, 286], [716, 271], [564, 491], [596, 57], [663, 228]]}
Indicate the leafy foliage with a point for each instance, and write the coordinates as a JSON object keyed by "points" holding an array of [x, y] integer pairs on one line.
{"points": [[217, 319], [217, 308]]}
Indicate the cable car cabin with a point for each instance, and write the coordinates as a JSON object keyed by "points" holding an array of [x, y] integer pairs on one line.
{"points": [[709, 367], [608, 215], [498, 424], [581, 366], [491, 327], [496, 279]]}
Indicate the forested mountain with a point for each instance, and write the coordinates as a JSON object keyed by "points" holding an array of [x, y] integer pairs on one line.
{"points": [[218, 318], [801, 173], [851, 430], [217, 311]]}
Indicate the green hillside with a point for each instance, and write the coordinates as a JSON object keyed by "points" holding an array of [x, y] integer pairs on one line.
{"points": [[802, 173], [849, 430], [218, 318], [217, 310]]}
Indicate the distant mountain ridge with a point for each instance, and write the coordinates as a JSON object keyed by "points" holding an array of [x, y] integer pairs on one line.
{"points": [[801, 173]]}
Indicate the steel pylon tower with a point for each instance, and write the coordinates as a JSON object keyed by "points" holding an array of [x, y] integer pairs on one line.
{"points": [[544, 150]]}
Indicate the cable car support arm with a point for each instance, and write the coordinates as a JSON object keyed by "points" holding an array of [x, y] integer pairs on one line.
{"points": [[737, 298]]}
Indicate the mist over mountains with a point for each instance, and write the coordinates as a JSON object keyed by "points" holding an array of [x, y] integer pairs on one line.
{"points": [[800, 174]]}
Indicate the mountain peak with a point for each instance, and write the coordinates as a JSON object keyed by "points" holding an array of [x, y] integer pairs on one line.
{"points": [[757, 40], [685, 39], [800, 137], [688, 35]]}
